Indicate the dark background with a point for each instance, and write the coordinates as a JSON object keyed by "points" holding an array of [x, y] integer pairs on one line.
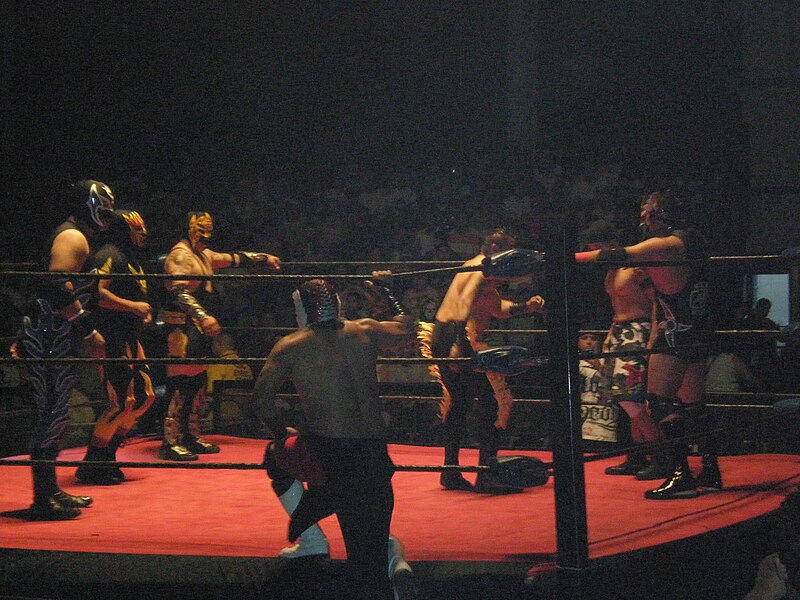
{"points": [[190, 98]]}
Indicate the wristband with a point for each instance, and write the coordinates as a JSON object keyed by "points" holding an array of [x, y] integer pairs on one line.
{"points": [[616, 254], [518, 308]]}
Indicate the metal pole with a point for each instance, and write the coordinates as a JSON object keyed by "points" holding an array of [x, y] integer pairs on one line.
{"points": [[570, 492]]}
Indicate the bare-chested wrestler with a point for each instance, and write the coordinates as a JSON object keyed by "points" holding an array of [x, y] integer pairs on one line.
{"points": [[331, 363], [192, 325], [57, 325], [471, 302], [676, 376], [624, 380]]}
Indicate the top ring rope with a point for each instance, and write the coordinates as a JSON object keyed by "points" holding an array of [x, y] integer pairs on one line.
{"points": [[504, 265]]}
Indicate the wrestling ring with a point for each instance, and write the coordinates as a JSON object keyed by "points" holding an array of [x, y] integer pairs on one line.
{"points": [[578, 534]]}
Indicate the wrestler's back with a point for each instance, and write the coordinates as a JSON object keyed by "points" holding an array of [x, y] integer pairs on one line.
{"points": [[333, 371]]}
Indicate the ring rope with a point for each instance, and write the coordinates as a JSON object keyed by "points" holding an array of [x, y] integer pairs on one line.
{"points": [[218, 466], [208, 361], [662, 444], [779, 258]]}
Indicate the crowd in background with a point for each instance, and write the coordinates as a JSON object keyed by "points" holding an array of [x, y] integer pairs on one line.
{"points": [[436, 212]]}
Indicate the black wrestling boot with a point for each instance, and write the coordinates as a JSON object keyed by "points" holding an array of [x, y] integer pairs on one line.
{"points": [[46, 505], [179, 453], [659, 467], [97, 475], [710, 478], [453, 480], [680, 485], [634, 462], [64, 498], [199, 445], [705, 426], [111, 456]]}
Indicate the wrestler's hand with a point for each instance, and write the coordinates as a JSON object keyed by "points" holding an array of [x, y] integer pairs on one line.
{"points": [[144, 311], [535, 304], [210, 326], [383, 275]]}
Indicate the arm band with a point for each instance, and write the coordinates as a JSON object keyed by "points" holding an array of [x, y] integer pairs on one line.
{"points": [[617, 254], [189, 303], [518, 308], [244, 257]]}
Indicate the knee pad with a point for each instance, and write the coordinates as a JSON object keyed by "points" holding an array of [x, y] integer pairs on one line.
{"points": [[668, 414], [661, 407]]}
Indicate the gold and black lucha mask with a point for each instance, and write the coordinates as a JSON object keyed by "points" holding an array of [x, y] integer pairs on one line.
{"points": [[138, 230], [201, 228]]}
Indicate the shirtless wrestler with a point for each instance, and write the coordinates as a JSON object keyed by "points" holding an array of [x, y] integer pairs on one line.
{"points": [[331, 362], [469, 305], [191, 327]]}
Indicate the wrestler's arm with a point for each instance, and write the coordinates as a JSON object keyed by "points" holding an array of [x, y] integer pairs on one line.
{"points": [[180, 262], [655, 248], [68, 253], [272, 376], [508, 309], [388, 334], [110, 301], [238, 258]]}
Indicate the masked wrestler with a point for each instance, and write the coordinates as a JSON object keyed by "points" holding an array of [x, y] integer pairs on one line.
{"points": [[471, 302], [192, 325], [684, 330], [57, 325], [331, 363], [123, 313]]}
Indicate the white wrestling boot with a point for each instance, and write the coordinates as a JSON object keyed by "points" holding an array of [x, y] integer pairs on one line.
{"points": [[312, 542], [400, 573]]}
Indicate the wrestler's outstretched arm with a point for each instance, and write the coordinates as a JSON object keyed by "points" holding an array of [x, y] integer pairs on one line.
{"points": [[238, 258], [655, 248]]}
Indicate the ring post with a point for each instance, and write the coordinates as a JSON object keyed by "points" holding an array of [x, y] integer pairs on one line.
{"points": [[568, 468]]}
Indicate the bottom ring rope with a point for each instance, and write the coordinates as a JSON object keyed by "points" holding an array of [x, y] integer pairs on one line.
{"points": [[219, 466]]}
